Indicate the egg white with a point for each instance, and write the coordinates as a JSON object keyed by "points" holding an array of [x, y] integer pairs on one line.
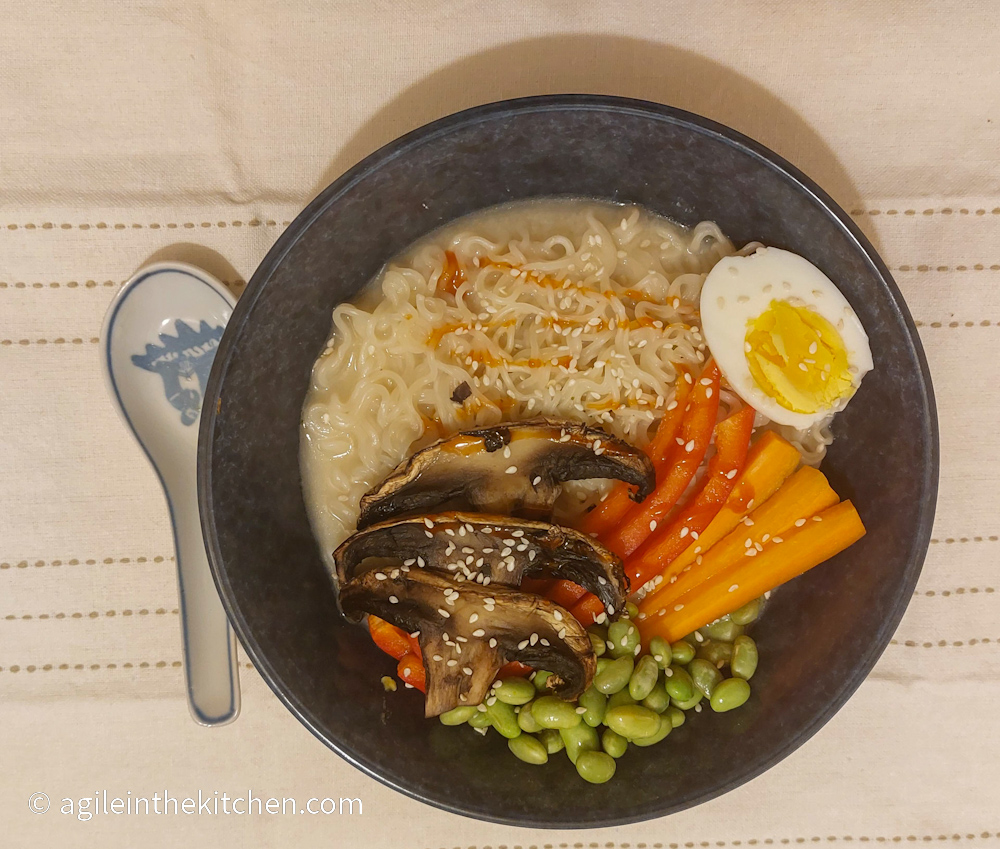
{"points": [[740, 288]]}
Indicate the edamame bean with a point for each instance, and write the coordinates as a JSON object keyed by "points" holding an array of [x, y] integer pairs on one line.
{"points": [[705, 675], [657, 700], [504, 719], [539, 679], [526, 720], [746, 614], [480, 719], [659, 648], [744, 662], [459, 715], [716, 652], [722, 629], [676, 716], [600, 631], [514, 691], [614, 676], [596, 767], [683, 652], [613, 743], [551, 739], [643, 678], [623, 637], [679, 685], [689, 703], [528, 749], [731, 693], [578, 740], [603, 663], [596, 704], [598, 644], [665, 728], [632, 721], [631, 610], [550, 712], [622, 697]]}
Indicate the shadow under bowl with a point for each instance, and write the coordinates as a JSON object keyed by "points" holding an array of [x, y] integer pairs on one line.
{"points": [[822, 633]]}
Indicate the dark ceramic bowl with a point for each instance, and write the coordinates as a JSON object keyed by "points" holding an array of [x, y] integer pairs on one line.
{"points": [[822, 633]]}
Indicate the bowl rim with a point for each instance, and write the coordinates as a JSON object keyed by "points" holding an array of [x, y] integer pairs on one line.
{"points": [[557, 103]]}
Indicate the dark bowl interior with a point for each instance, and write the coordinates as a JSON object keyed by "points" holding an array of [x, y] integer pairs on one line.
{"points": [[822, 633]]}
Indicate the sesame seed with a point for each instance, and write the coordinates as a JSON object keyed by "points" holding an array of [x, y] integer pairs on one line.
{"points": [[611, 610], [444, 613], [708, 392], [777, 540], [672, 406], [817, 518], [561, 634], [493, 642], [381, 576], [601, 618], [479, 632], [678, 608], [410, 562], [734, 588], [421, 562], [678, 440], [437, 658], [510, 470], [428, 523], [536, 480], [393, 600], [581, 710], [748, 521], [698, 637], [697, 561], [758, 546], [697, 709], [690, 446], [687, 375], [522, 645], [452, 662], [765, 538], [799, 522], [533, 639], [803, 367], [652, 525], [557, 615], [685, 531], [467, 670], [751, 552]]}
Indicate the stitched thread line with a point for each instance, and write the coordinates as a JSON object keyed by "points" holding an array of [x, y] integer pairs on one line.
{"points": [[94, 614], [753, 841], [172, 225], [943, 211], [92, 284], [51, 667], [107, 561]]}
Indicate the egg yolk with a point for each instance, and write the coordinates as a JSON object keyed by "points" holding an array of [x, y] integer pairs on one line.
{"points": [[798, 358]]}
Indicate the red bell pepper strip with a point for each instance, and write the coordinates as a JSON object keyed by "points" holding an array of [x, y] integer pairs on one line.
{"points": [[514, 669], [392, 640], [411, 671], [618, 502], [654, 556], [683, 460]]}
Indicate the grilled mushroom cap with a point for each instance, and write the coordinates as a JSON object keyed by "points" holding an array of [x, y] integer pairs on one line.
{"points": [[467, 632], [486, 549], [508, 469]]}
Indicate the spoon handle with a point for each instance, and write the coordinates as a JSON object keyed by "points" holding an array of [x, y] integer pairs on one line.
{"points": [[210, 664]]}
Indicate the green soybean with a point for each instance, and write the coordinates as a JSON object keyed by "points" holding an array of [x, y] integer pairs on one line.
{"points": [[716, 652], [459, 715], [600, 631], [631, 610], [526, 720], [722, 629], [746, 614], [596, 767], [615, 675], [744, 662], [705, 676], [596, 704], [598, 644], [657, 699], [679, 685], [514, 691], [550, 712], [665, 728], [731, 693], [480, 719], [528, 749], [687, 704], [581, 739], [539, 679], [603, 663], [623, 638], [660, 650], [643, 678], [676, 716], [613, 743], [632, 721], [504, 719], [622, 697], [551, 739], [683, 652]]}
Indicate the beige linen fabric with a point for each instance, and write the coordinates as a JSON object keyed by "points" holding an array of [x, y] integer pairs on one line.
{"points": [[139, 131]]}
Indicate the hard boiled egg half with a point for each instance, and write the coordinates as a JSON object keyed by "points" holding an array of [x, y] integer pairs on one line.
{"points": [[783, 335]]}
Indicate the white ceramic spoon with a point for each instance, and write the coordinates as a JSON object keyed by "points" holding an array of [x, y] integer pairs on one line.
{"points": [[157, 345]]}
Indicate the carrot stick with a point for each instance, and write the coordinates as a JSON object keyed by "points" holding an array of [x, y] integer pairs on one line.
{"points": [[657, 553], [803, 495], [610, 511], [819, 539], [566, 593], [411, 671], [588, 610], [770, 461], [683, 461], [514, 669]]}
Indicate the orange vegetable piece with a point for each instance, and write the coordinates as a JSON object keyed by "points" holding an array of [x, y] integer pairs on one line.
{"points": [[684, 458], [392, 640], [732, 439], [514, 669], [819, 539], [411, 671], [566, 593], [588, 609]]}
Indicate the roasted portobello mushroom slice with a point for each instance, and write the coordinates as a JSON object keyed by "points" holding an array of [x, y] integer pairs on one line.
{"points": [[488, 550], [467, 632], [511, 469]]}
